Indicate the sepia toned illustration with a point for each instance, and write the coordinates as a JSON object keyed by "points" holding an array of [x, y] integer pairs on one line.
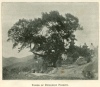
{"points": [[50, 41]]}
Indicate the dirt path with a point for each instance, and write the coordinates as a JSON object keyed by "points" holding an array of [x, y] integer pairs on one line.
{"points": [[72, 71]]}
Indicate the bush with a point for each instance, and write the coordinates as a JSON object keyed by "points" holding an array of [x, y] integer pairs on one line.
{"points": [[75, 56], [26, 69], [77, 51], [5, 73], [15, 70]]}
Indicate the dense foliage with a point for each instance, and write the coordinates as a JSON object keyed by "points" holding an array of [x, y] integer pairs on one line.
{"points": [[48, 36], [76, 51]]}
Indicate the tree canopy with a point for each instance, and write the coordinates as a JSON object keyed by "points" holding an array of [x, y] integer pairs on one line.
{"points": [[50, 35]]}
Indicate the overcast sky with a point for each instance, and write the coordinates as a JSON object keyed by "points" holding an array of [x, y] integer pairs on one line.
{"points": [[88, 14]]}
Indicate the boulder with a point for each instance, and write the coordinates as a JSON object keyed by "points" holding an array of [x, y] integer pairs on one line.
{"points": [[80, 61]]}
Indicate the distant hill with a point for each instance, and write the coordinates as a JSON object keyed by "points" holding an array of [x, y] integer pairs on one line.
{"points": [[9, 61], [21, 65], [13, 61]]}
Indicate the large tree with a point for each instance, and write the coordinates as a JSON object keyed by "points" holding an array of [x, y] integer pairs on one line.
{"points": [[48, 36]]}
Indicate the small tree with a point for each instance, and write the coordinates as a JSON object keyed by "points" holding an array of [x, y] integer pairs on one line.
{"points": [[45, 36], [86, 53]]}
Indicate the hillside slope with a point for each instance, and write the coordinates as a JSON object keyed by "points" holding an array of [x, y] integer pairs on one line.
{"points": [[13, 60]]}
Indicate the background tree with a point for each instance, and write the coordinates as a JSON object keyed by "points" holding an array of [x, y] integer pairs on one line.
{"points": [[47, 36], [83, 51]]}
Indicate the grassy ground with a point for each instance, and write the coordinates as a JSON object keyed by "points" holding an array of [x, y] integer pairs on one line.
{"points": [[72, 72]]}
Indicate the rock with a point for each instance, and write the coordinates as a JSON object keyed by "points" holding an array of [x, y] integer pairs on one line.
{"points": [[80, 61]]}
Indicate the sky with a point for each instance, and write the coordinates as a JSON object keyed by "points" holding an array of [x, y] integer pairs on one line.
{"points": [[87, 13]]}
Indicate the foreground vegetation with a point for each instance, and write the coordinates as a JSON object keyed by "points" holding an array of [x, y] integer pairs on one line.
{"points": [[63, 73]]}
